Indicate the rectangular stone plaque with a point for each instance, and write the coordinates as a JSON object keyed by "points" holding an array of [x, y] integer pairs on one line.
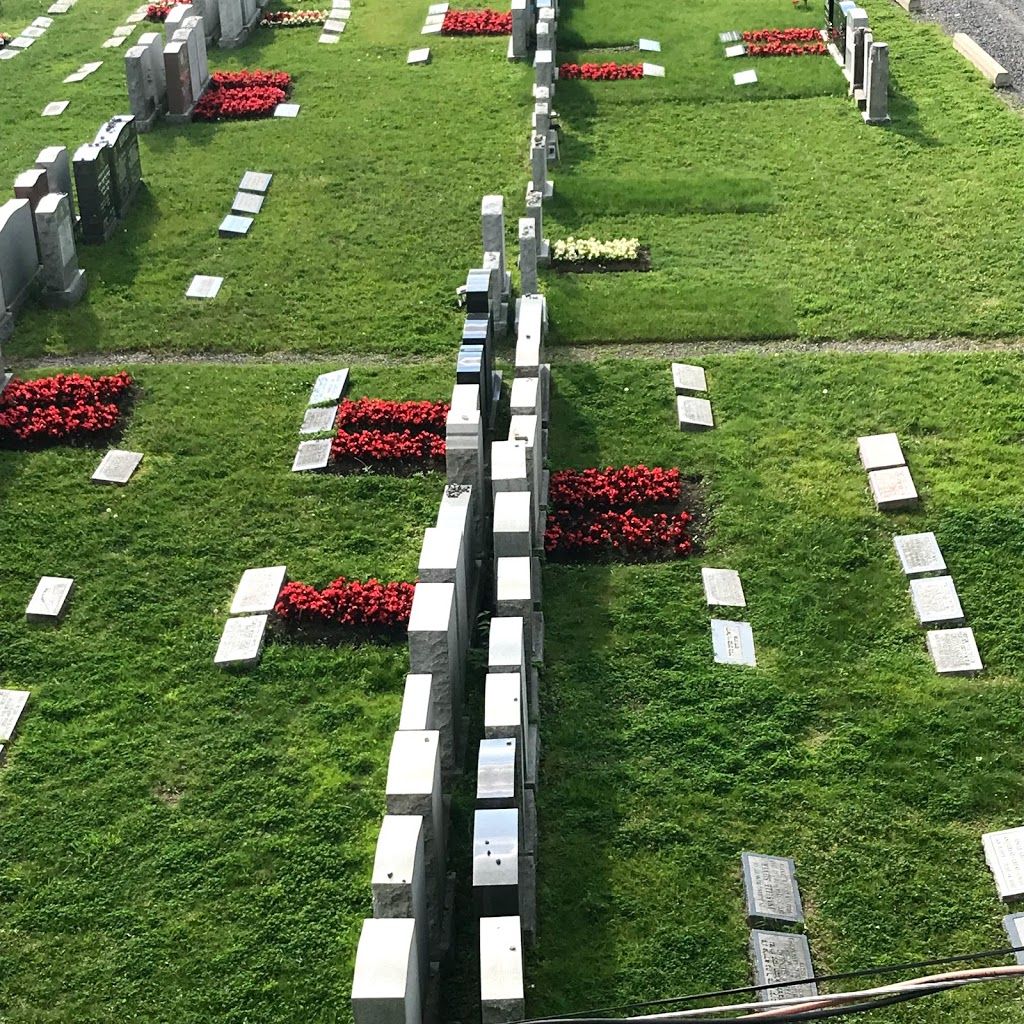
{"points": [[502, 992], [78, 76], [745, 77], [326, 37], [1012, 925], [241, 643], [437, 9], [954, 651], [771, 889], [421, 56], [496, 773], [733, 642], [919, 554], [694, 413], [286, 110], [204, 287], [117, 467], [247, 202], [124, 30], [319, 420], [114, 42], [254, 181], [434, 19], [50, 601], [723, 586], [329, 387], [9, 54], [12, 704], [258, 590], [430, 30], [688, 378], [23, 43], [653, 70], [56, 108], [880, 451], [892, 488], [736, 51], [649, 44], [936, 601], [1004, 854], [312, 455], [729, 37], [334, 25], [34, 32], [781, 957], [233, 226]]}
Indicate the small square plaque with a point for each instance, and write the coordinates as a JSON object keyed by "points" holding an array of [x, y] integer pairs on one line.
{"points": [[241, 643], [233, 226], [258, 590], [653, 70], [92, 66], [117, 467], [312, 455], [739, 50], [78, 76], [650, 44], [919, 554], [204, 287], [326, 37], [434, 19], [50, 601], [247, 202], [954, 651], [286, 110], [723, 586], [319, 420], [1013, 925], [9, 54], [114, 42], [329, 387], [419, 56], [733, 642], [892, 488], [56, 108], [771, 889], [254, 181], [745, 77], [782, 957], [12, 704], [694, 413], [936, 601], [880, 451], [687, 378]]}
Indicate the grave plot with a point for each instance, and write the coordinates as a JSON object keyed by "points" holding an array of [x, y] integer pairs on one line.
{"points": [[242, 95], [384, 436]]}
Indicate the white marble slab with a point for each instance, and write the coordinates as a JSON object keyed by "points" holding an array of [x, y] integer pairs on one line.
{"points": [[117, 467], [723, 587], [241, 643], [50, 600], [258, 590], [733, 642]]}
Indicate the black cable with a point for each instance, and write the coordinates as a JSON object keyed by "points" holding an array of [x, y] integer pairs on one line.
{"points": [[583, 1015]]}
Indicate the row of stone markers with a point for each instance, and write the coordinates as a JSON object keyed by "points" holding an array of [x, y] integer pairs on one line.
{"points": [[733, 642], [865, 63], [321, 414], [693, 413], [892, 486]]}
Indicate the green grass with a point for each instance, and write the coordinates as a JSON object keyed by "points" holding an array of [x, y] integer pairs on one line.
{"points": [[843, 749], [180, 843]]}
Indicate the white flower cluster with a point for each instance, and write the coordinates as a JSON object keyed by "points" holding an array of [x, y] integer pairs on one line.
{"points": [[591, 249]]}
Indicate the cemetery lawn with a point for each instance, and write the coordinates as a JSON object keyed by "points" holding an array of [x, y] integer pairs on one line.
{"points": [[180, 843], [843, 749]]}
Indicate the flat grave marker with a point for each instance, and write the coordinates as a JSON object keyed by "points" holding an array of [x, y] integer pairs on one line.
{"points": [[312, 455], [9, 54], [56, 108], [723, 587], [892, 488], [653, 70], [954, 651], [781, 957], [334, 25], [117, 467], [114, 42], [124, 30], [12, 704], [329, 387], [649, 44], [233, 226], [134, 19], [1004, 854], [287, 110], [694, 413], [771, 890], [1012, 925], [919, 554], [247, 202], [78, 76], [745, 77], [686, 377], [733, 643], [936, 601], [258, 590], [241, 643], [33, 32], [880, 451], [204, 287], [326, 37], [50, 600], [255, 181], [421, 56], [738, 50], [729, 37], [319, 419], [41, 22], [21, 43], [430, 30]]}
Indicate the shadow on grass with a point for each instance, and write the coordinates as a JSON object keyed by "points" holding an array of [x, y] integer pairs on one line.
{"points": [[905, 117]]}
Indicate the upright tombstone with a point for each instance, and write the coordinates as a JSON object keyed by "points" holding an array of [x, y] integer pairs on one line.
{"points": [[502, 996], [492, 218], [31, 185], [443, 560], [63, 283], [514, 597], [19, 257], [519, 44], [192, 39], [861, 42], [513, 528], [544, 66], [528, 256], [464, 448], [94, 184], [496, 890], [120, 136], [497, 304], [856, 17], [539, 181], [175, 16], [156, 74], [535, 209], [57, 164], [196, 23], [876, 84], [178, 69], [142, 101], [386, 986], [417, 703]]}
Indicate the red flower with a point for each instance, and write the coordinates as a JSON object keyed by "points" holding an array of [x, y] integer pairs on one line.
{"points": [[477, 23], [378, 606], [609, 71], [237, 95]]}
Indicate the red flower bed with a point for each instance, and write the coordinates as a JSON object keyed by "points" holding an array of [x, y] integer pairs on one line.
{"points": [[394, 436], [596, 513], [159, 12], [242, 95], [62, 409], [370, 609], [477, 23], [601, 72], [784, 42]]}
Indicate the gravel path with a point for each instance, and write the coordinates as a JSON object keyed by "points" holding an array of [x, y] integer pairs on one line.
{"points": [[995, 25]]}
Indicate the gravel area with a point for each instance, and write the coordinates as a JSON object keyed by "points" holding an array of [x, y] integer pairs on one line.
{"points": [[995, 25]]}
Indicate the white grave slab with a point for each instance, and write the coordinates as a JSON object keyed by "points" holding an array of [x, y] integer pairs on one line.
{"points": [[117, 467], [286, 110], [319, 420], [241, 643], [114, 42], [50, 600], [386, 985], [12, 704], [502, 992], [430, 30], [312, 455], [21, 43], [437, 9], [729, 37], [249, 203], [326, 37], [334, 25], [653, 70], [258, 590], [723, 586], [56, 108], [42, 22], [421, 56], [686, 378], [649, 44], [92, 66], [1004, 854], [694, 413], [33, 32], [255, 181], [936, 601], [733, 642], [234, 226], [736, 51], [78, 76], [919, 554], [9, 54], [954, 651], [204, 287], [892, 488], [124, 30], [880, 451], [434, 19], [745, 77], [329, 387]]}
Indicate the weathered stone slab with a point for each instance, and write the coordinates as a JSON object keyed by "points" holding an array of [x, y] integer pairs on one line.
{"points": [[694, 413], [919, 554], [241, 643], [1004, 854], [50, 600], [880, 451], [936, 601], [117, 467], [651, 45], [502, 994], [312, 455], [954, 651], [12, 704], [319, 419], [771, 890], [653, 70], [255, 181], [56, 108], [287, 110], [733, 642], [781, 957], [329, 387], [688, 378], [739, 50], [233, 226], [892, 488], [723, 586], [258, 590], [204, 287]]}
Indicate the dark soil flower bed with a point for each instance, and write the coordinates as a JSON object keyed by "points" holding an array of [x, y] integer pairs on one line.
{"points": [[641, 264], [400, 438], [345, 611], [242, 95]]}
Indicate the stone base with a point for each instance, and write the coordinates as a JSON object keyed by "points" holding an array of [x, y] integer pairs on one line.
{"points": [[530, 823], [538, 638], [501, 324], [235, 42], [548, 191], [69, 297], [528, 899], [6, 330], [874, 120], [147, 125], [185, 118], [532, 754]]}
